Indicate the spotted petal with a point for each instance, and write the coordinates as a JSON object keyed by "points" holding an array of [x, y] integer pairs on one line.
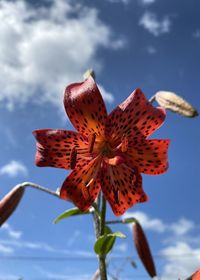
{"points": [[149, 156], [135, 118], [82, 185], [54, 148], [85, 107], [122, 187]]}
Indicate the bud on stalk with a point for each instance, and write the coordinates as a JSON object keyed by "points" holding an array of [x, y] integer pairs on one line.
{"points": [[175, 103], [195, 276], [9, 203], [143, 249]]}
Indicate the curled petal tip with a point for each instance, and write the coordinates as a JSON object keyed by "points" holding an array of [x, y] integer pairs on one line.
{"points": [[9, 203], [89, 73]]}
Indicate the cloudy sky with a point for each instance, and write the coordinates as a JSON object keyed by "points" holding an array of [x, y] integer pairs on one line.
{"points": [[47, 44]]}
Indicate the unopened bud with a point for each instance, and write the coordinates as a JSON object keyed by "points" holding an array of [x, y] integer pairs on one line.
{"points": [[175, 103], [143, 249], [9, 203], [195, 276]]}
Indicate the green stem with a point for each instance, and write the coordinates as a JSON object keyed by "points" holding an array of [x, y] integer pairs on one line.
{"points": [[102, 258], [99, 224], [40, 188], [123, 221], [103, 215], [152, 99]]}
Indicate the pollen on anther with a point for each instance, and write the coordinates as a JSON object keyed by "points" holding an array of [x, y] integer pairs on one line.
{"points": [[91, 141], [73, 158]]}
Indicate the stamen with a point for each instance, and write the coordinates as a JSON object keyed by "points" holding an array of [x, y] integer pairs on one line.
{"points": [[117, 160], [94, 166], [85, 192], [91, 141], [124, 145], [73, 158]]}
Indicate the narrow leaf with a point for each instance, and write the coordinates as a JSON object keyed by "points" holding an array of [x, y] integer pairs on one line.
{"points": [[119, 234], [69, 213]]}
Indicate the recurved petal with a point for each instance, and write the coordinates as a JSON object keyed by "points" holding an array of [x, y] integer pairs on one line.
{"points": [[150, 156], [122, 187], [135, 118], [82, 185], [55, 147], [85, 107]]}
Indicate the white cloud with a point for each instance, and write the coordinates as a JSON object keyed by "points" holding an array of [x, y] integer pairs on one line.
{"points": [[182, 226], [73, 238], [41, 246], [120, 1], [9, 276], [122, 247], [178, 228], [151, 50], [157, 27], [181, 261], [45, 48], [196, 34], [147, 2], [16, 234], [146, 221], [14, 168], [58, 276], [6, 250], [106, 95]]}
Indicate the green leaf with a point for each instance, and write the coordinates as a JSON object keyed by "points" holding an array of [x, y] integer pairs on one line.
{"points": [[104, 244], [107, 230], [119, 234], [69, 213]]}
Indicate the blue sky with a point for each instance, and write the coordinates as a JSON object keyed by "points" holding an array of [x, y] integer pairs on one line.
{"points": [[151, 44]]}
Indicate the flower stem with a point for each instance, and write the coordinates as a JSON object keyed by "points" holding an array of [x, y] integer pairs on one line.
{"points": [[102, 258], [123, 221], [38, 187], [152, 99], [99, 224], [103, 215]]}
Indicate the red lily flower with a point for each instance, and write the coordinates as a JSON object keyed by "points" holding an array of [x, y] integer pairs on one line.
{"points": [[108, 152]]}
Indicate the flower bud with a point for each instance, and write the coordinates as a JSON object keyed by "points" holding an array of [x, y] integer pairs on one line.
{"points": [[175, 103], [9, 203], [143, 249], [195, 276]]}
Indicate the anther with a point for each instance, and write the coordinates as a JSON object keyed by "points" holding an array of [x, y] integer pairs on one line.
{"points": [[117, 160], [73, 158], [91, 141], [85, 192]]}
